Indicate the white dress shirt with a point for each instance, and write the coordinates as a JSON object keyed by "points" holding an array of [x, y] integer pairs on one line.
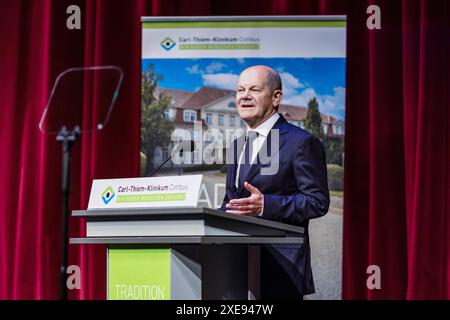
{"points": [[263, 131]]}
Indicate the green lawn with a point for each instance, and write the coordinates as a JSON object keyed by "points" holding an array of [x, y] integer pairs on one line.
{"points": [[339, 194]]}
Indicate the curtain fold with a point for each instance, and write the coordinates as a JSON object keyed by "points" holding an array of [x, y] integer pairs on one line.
{"points": [[425, 85], [397, 182], [374, 205]]}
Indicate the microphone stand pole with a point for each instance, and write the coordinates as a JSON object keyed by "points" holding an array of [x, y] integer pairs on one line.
{"points": [[67, 140], [153, 172], [178, 169]]}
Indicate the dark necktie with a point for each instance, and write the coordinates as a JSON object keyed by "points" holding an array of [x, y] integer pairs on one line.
{"points": [[244, 167]]}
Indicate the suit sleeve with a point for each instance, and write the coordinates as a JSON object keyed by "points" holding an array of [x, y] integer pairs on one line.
{"points": [[224, 203], [312, 199]]}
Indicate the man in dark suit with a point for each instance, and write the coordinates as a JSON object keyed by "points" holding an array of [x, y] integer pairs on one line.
{"points": [[278, 173]]}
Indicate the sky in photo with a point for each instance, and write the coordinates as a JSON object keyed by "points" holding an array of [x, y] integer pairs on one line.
{"points": [[302, 78]]}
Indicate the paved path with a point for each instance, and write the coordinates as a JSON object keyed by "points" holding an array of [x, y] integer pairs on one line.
{"points": [[326, 256]]}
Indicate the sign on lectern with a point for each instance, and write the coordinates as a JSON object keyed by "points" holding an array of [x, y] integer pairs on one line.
{"points": [[155, 192]]}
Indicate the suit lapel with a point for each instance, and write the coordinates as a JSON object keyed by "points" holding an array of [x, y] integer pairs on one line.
{"points": [[280, 125], [238, 145]]}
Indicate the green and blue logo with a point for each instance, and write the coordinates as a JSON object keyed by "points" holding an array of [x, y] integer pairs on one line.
{"points": [[168, 43], [108, 195]]}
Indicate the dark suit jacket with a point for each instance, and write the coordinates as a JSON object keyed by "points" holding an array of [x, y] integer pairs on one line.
{"points": [[296, 193]]}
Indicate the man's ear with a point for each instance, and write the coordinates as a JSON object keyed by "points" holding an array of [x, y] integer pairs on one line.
{"points": [[276, 98]]}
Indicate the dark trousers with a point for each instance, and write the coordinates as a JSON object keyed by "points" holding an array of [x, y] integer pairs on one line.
{"points": [[275, 282]]}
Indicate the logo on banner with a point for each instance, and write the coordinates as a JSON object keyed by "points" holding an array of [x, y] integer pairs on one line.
{"points": [[108, 195], [168, 43]]}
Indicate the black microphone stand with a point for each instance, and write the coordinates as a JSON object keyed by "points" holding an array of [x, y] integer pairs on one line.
{"points": [[153, 172], [67, 140]]}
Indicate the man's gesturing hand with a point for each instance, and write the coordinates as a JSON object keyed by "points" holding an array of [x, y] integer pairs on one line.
{"points": [[250, 206]]}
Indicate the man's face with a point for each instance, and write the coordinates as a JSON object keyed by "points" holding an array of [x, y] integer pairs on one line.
{"points": [[254, 97]]}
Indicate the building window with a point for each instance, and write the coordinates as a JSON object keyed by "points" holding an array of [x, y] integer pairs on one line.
{"points": [[190, 116], [324, 128], [209, 118], [166, 114], [208, 136], [231, 121], [196, 156], [165, 152], [196, 133], [221, 116], [232, 104]]}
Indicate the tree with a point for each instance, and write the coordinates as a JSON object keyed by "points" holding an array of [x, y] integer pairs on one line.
{"points": [[155, 129], [334, 148], [313, 121]]}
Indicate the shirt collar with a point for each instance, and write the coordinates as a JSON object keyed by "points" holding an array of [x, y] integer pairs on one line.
{"points": [[264, 128]]}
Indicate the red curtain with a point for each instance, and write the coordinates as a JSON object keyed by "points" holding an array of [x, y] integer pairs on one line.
{"points": [[397, 142], [36, 46], [397, 179]]}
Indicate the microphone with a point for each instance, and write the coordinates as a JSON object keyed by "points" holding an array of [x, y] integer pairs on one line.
{"points": [[185, 145], [182, 146]]}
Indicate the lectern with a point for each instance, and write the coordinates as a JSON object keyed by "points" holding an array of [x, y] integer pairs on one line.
{"points": [[182, 253]]}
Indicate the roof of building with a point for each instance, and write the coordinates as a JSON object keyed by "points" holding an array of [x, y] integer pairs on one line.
{"points": [[205, 96], [327, 119], [178, 96], [292, 113], [298, 113]]}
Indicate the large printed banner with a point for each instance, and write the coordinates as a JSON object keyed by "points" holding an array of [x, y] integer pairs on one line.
{"points": [[190, 67], [243, 39]]}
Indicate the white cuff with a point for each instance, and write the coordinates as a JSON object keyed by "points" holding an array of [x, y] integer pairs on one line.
{"points": [[262, 210]]}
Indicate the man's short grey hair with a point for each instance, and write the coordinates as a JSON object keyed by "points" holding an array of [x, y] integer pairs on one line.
{"points": [[274, 79]]}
